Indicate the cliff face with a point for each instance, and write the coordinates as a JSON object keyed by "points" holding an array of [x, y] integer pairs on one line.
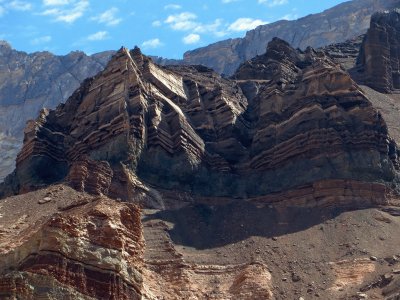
{"points": [[29, 82], [245, 186], [340, 23], [24, 78], [294, 120], [379, 58]]}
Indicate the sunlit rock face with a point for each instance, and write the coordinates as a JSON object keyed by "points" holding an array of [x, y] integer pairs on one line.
{"points": [[176, 183], [30, 82], [71, 247], [286, 119], [379, 59]]}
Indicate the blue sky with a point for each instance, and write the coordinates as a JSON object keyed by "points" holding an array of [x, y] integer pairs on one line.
{"points": [[160, 27]]}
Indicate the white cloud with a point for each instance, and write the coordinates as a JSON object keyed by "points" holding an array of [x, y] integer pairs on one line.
{"points": [[14, 5], [289, 17], [71, 10], [19, 5], [172, 6], [183, 21], [244, 24], [49, 12], [55, 2], [192, 38], [98, 36], [41, 40], [153, 43], [156, 23], [108, 17], [272, 3], [186, 21], [212, 27]]}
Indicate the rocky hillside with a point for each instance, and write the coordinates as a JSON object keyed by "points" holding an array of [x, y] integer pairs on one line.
{"points": [[278, 116], [342, 22], [29, 82], [27, 90], [153, 182], [280, 183]]}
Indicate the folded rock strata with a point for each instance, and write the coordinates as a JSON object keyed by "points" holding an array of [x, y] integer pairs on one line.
{"points": [[285, 120], [29, 82], [78, 246]]}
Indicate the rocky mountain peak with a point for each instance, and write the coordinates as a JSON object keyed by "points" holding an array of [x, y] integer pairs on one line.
{"points": [[5, 44], [281, 63], [386, 17], [135, 122], [379, 60]]}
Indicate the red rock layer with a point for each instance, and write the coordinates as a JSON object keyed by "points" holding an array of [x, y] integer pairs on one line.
{"points": [[330, 193], [94, 250]]}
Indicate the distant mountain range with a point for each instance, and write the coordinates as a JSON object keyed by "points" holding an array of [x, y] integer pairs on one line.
{"points": [[337, 24]]}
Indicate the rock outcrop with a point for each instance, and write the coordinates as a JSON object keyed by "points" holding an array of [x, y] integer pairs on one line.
{"points": [[345, 53], [342, 22], [287, 120], [24, 93], [379, 58], [30, 82], [58, 243], [248, 187], [86, 248]]}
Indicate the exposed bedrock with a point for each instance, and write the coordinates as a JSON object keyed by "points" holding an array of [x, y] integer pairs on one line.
{"points": [[285, 120], [88, 248], [379, 58]]}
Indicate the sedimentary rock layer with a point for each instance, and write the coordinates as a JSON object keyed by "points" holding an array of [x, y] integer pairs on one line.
{"points": [[379, 58], [90, 248], [29, 82], [286, 119]]}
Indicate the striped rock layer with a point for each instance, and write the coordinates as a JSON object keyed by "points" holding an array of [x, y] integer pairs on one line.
{"points": [[286, 120]]}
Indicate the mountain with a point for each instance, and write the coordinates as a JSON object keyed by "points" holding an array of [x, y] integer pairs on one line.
{"points": [[342, 22], [29, 82], [278, 115], [154, 182], [173, 182], [27, 90]]}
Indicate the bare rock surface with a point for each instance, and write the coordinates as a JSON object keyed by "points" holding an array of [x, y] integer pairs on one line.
{"points": [[24, 77], [67, 248], [30, 82], [345, 53], [79, 246], [379, 58], [289, 118], [278, 183]]}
